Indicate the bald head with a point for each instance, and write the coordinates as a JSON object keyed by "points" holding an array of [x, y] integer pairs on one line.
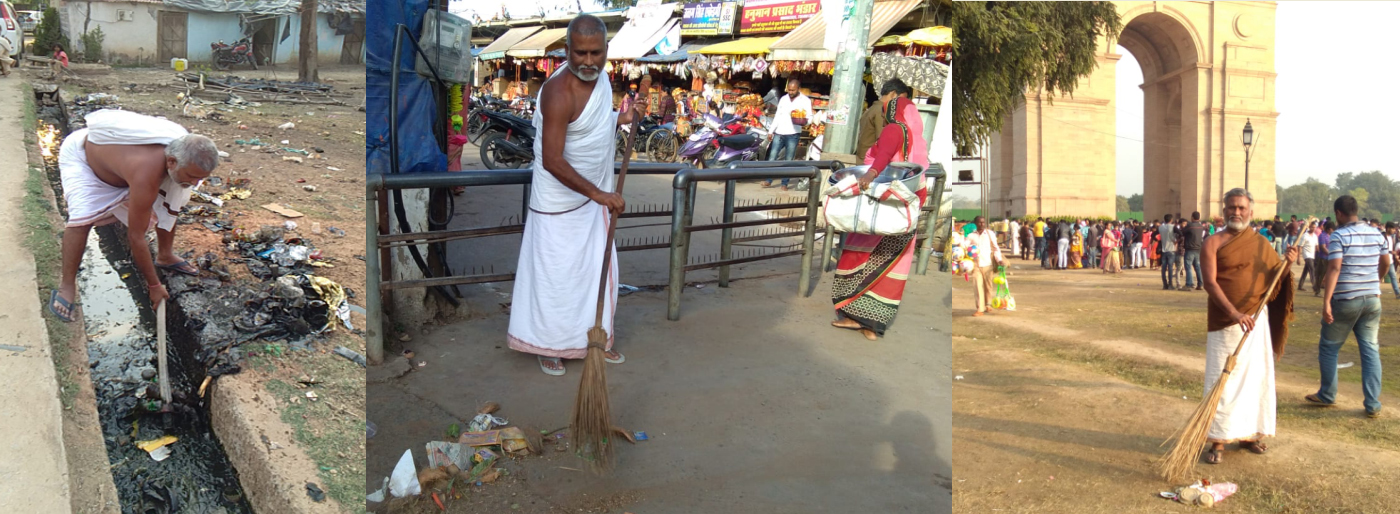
{"points": [[586, 40]]}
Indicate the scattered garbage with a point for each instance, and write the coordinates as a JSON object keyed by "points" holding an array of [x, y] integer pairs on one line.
{"points": [[335, 231], [315, 492], [1346, 365], [287, 126], [292, 158], [378, 495], [13, 348], [484, 421], [640, 436], [309, 188], [1202, 493], [624, 289], [354, 357], [159, 449], [404, 480], [283, 210]]}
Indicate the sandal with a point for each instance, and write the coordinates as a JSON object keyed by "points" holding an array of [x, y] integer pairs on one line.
{"points": [[1213, 456], [846, 323], [182, 267], [552, 372], [869, 334], [65, 304], [1254, 447], [1313, 399], [619, 360]]}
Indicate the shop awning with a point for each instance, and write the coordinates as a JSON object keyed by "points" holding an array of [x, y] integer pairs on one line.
{"points": [[681, 54], [928, 36], [807, 42], [745, 46], [641, 33], [497, 49], [538, 44]]}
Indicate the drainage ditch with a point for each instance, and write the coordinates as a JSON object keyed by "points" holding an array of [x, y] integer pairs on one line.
{"points": [[197, 476]]}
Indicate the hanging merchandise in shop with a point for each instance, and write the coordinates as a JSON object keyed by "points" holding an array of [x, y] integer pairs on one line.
{"points": [[776, 15], [709, 18]]}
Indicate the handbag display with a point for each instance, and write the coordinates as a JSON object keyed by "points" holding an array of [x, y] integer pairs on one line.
{"points": [[889, 207]]}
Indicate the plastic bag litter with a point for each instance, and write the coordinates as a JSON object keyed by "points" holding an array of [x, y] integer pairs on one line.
{"points": [[159, 449], [404, 481], [378, 496], [484, 422], [334, 296]]}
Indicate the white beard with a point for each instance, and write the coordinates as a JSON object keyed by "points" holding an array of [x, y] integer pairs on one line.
{"points": [[584, 76], [1236, 225]]}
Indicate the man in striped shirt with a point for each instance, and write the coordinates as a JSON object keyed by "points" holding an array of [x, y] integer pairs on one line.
{"points": [[1351, 304]]}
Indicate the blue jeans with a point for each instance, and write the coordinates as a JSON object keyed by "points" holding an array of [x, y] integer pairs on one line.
{"points": [[1093, 258], [1278, 246], [783, 149], [1362, 317], [1040, 248], [1193, 262], [1390, 277], [1168, 269]]}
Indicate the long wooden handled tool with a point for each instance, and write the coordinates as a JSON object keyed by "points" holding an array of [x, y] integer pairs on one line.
{"points": [[592, 420], [160, 355], [1178, 463]]}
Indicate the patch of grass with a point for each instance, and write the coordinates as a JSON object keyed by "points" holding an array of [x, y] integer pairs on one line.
{"points": [[332, 429], [41, 231]]}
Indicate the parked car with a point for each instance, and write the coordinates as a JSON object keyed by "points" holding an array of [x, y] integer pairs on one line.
{"points": [[11, 29], [29, 20]]}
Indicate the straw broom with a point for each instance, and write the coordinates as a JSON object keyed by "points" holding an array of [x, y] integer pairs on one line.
{"points": [[592, 421], [1178, 463]]}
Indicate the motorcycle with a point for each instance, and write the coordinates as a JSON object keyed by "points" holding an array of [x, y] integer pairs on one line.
{"points": [[477, 120], [653, 138], [720, 142], [239, 53], [509, 141]]}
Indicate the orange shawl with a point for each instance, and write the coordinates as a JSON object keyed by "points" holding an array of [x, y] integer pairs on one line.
{"points": [[1244, 267]]}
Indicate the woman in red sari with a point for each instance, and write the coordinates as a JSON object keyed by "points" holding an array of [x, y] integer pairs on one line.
{"points": [[871, 273]]}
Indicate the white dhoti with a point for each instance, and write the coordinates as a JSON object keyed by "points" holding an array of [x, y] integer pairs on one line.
{"points": [[561, 253], [1248, 407], [89, 199]]}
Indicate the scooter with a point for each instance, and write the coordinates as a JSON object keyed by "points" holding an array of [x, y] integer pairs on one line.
{"points": [[509, 142], [723, 141], [240, 52]]}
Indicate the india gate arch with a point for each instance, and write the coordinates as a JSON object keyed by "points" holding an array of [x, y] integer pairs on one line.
{"points": [[1207, 68]]}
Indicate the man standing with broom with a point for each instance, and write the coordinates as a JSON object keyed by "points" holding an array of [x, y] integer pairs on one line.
{"points": [[1242, 273], [563, 249]]}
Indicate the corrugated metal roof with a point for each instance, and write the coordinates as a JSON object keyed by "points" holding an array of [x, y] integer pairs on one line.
{"points": [[538, 44], [807, 42], [497, 49]]}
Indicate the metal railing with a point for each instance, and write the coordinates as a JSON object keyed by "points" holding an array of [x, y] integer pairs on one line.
{"points": [[683, 207]]}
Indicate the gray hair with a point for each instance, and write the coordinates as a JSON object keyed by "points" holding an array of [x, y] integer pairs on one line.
{"points": [[194, 149], [585, 25], [1239, 191]]}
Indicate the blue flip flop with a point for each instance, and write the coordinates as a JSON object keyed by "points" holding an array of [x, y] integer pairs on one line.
{"points": [[55, 298]]}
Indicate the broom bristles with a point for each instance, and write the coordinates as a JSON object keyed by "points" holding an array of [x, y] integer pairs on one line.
{"points": [[592, 421], [1177, 464]]}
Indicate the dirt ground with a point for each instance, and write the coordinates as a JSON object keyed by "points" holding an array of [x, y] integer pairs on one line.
{"points": [[333, 138], [751, 401], [1061, 405]]}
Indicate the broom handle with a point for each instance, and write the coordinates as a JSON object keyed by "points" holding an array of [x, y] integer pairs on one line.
{"points": [[160, 353], [1278, 275], [612, 225]]}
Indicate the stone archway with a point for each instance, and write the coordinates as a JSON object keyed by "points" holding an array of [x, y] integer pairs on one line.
{"points": [[1207, 68]]}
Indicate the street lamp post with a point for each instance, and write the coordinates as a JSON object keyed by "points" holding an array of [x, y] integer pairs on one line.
{"points": [[1248, 139]]}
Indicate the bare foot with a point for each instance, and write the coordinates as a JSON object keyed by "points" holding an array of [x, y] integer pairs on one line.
{"points": [[846, 323]]}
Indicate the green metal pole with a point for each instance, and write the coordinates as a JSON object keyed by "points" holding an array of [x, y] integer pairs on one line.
{"points": [[847, 89]]}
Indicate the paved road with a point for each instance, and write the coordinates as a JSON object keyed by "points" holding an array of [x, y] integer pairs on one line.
{"points": [[33, 466]]}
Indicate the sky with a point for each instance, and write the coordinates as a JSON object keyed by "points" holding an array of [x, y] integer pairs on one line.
{"points": [[1333, 97], [521, 8]]}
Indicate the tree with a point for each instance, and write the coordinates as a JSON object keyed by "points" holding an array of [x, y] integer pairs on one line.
{"points": [[616, 4], [1384, 194], [48, 33], [1135, 203], [1001, 50], [1122, 204], [1363, 203], [306, 51]]}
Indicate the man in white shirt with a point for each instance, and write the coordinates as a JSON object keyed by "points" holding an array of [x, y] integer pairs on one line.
{"points": [[1014, 237], [785, 134], [1308, 250], [988, 257]]}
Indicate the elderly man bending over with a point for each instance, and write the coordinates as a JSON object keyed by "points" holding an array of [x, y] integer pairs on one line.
{"points": [[134, 169]]}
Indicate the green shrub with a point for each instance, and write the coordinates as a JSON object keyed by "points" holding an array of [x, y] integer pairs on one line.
{"points": [[92, 45], [48, 34]]}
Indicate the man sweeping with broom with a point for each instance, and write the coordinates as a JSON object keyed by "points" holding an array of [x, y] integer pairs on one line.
{"points": [[566, 235], [1242, 273]]}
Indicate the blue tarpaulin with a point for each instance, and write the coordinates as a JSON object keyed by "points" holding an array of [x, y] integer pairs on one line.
{"points": [[417, 106]]}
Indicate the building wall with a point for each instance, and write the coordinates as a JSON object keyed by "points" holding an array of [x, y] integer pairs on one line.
{"points": [[127, 40]]}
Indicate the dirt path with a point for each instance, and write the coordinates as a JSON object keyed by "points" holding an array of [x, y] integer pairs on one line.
{"points": [[1063, 404]]}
